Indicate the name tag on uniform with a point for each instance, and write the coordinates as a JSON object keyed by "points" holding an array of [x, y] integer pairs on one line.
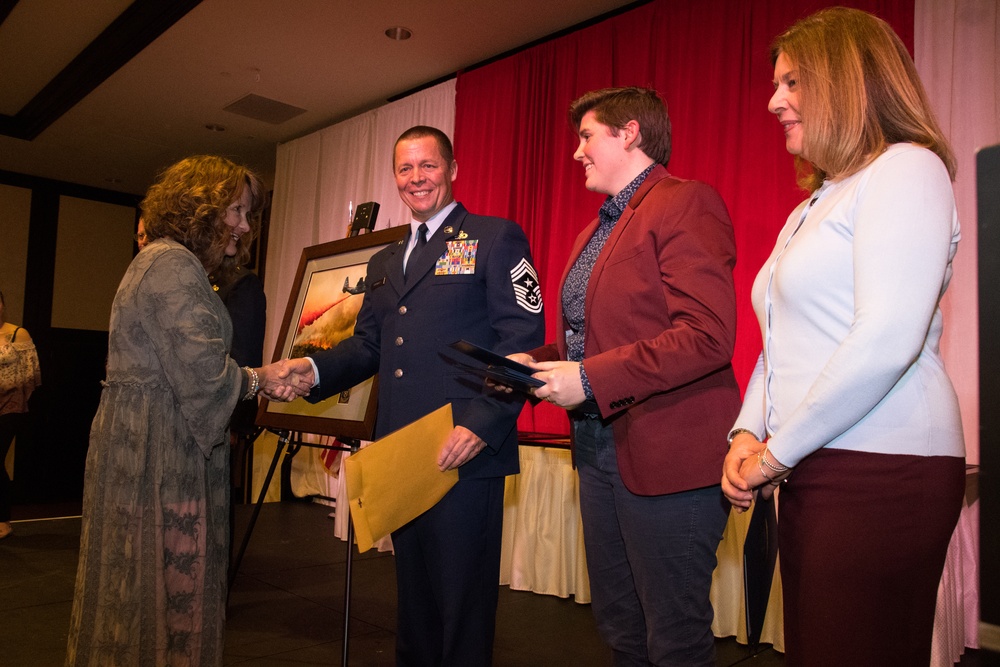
{"points": [[459, 259]]}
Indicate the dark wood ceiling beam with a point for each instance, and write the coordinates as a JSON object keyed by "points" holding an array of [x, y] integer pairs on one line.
{"points": [[5, 8], [130, 33]]}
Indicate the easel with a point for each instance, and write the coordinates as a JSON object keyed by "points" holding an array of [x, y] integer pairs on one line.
{"points": [[364, 220], [292, 442]]}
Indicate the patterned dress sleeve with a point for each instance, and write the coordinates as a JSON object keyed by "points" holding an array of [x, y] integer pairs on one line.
{"points": [[184, 321]]}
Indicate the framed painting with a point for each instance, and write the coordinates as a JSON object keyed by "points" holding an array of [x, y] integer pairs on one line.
{"points": [[321, 312]]}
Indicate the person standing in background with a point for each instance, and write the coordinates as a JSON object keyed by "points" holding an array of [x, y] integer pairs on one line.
{"points": [[243, 295], [19, 376], [141, 239]]}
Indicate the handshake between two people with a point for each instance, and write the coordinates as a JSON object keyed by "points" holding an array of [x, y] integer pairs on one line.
{"points": [[287, 379]]}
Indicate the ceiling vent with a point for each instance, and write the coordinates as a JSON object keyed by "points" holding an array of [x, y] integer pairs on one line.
{"points": [[263, 108]]}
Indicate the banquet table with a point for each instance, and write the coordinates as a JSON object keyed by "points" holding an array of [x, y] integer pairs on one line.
{"points": [[543, 552]]}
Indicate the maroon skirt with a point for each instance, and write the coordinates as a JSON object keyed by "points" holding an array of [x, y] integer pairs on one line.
{"points": [[863, 539]]}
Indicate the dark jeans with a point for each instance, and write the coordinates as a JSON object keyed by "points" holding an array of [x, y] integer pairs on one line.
{"points": [[650, 559], [10, 423]]}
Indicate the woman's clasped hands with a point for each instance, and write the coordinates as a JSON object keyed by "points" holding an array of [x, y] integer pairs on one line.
{"points": [[749, 467]]}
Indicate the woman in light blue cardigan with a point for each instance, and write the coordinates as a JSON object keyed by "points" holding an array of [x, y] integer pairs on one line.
{"points": [[850, 390]]}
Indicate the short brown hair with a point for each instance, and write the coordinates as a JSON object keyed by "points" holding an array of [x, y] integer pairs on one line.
{"points": [[188, 203], [859, 93], [421, 131], [615, 107]]}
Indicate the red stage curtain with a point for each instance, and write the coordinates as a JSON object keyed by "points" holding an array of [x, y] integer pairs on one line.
{"points": [[710, 61]]}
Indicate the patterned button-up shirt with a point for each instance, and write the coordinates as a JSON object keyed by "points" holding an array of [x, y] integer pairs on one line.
{"points": [[575, 290]]}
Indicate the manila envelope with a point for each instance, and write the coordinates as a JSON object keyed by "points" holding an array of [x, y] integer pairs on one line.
{"points": [[396, 478]]}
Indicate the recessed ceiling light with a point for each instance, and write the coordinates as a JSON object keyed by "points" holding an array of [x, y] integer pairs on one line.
{"points": [[215, 128], [398, 33]]}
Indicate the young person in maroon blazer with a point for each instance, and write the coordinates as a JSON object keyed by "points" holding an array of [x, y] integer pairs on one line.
{"points": [[648, 307]]}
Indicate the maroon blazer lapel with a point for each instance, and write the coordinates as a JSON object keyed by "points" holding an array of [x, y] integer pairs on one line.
{"points": [[655, 176]]}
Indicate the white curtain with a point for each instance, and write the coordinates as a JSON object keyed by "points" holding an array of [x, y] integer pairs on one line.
{"points": [[318, 180], [957, 48]]}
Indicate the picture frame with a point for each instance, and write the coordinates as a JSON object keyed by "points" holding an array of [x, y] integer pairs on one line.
{"points": [[321, 312]]}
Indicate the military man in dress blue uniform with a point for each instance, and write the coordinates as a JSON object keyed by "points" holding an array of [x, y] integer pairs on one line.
{"points": [[456, 276]]}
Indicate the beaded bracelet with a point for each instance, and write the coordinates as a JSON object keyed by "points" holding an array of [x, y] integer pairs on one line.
{"points": [[776, 467], [253, 385]]}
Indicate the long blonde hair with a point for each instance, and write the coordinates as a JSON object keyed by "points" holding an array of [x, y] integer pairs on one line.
{"points": [[860, 93]]}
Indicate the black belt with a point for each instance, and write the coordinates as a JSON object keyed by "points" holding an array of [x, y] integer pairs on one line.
{"points": [[586, 410]]}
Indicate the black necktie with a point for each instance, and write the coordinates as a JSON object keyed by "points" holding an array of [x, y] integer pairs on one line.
{"points": [[417, 249]]}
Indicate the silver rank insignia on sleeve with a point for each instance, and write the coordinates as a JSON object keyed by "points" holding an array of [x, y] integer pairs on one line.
{"points": [[527, 291]]}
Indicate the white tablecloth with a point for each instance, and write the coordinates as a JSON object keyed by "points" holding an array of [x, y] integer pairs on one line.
{"points": [[956, 621], [727, 589], [543, 552], [542, 531]]}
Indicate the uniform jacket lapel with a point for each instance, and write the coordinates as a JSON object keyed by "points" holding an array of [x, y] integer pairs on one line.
{"points": [[394, 267]]}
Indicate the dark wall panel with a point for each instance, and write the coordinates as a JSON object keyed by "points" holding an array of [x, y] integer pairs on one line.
{"points": [[988, 185]]}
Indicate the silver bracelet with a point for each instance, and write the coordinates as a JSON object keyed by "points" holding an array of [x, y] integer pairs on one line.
{"points": [[253, 386], [776, 466], [761, 468]]}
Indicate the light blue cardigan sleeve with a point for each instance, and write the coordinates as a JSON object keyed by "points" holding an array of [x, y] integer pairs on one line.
{"points": [[904, 229]]}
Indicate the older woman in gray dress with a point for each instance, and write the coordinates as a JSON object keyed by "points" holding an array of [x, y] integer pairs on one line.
{"points": [[151, 583]]}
